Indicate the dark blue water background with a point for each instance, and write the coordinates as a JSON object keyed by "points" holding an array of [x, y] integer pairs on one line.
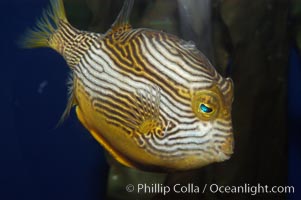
{"points": [[39, 161]]}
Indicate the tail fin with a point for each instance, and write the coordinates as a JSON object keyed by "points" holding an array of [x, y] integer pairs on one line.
{"points": [[45, 27]]}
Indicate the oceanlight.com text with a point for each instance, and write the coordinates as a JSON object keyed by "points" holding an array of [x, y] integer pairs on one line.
{"points": [[212, 188]]}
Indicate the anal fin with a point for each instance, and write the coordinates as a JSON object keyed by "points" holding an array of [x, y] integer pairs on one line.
{"points": [[98, 137]]}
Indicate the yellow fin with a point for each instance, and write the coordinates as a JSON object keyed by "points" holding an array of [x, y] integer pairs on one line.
{"points": [[122, 22], [102, 141], [45, 27]]}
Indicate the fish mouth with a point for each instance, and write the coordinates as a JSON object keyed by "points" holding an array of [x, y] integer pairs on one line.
{"points": [[227, 147]]}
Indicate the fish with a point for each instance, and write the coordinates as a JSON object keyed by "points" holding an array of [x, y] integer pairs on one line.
{"points": [[151, 99]]}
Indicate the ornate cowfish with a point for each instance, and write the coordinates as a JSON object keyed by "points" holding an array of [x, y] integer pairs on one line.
{"points": [[151, 99]]}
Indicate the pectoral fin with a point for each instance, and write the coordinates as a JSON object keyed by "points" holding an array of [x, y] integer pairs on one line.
{"points": [[71, 100], [147, 110]]}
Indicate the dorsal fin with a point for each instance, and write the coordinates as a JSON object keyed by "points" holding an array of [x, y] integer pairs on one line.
{"points": [[122, 21]]}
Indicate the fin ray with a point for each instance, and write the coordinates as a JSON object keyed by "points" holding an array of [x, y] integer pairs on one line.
{"points": [[124, 15], [122, 21], [147, 110], [71, 100]]}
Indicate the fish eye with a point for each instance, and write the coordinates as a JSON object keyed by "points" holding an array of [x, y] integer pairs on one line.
{"points": [[206, 104], [205, 109]]}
